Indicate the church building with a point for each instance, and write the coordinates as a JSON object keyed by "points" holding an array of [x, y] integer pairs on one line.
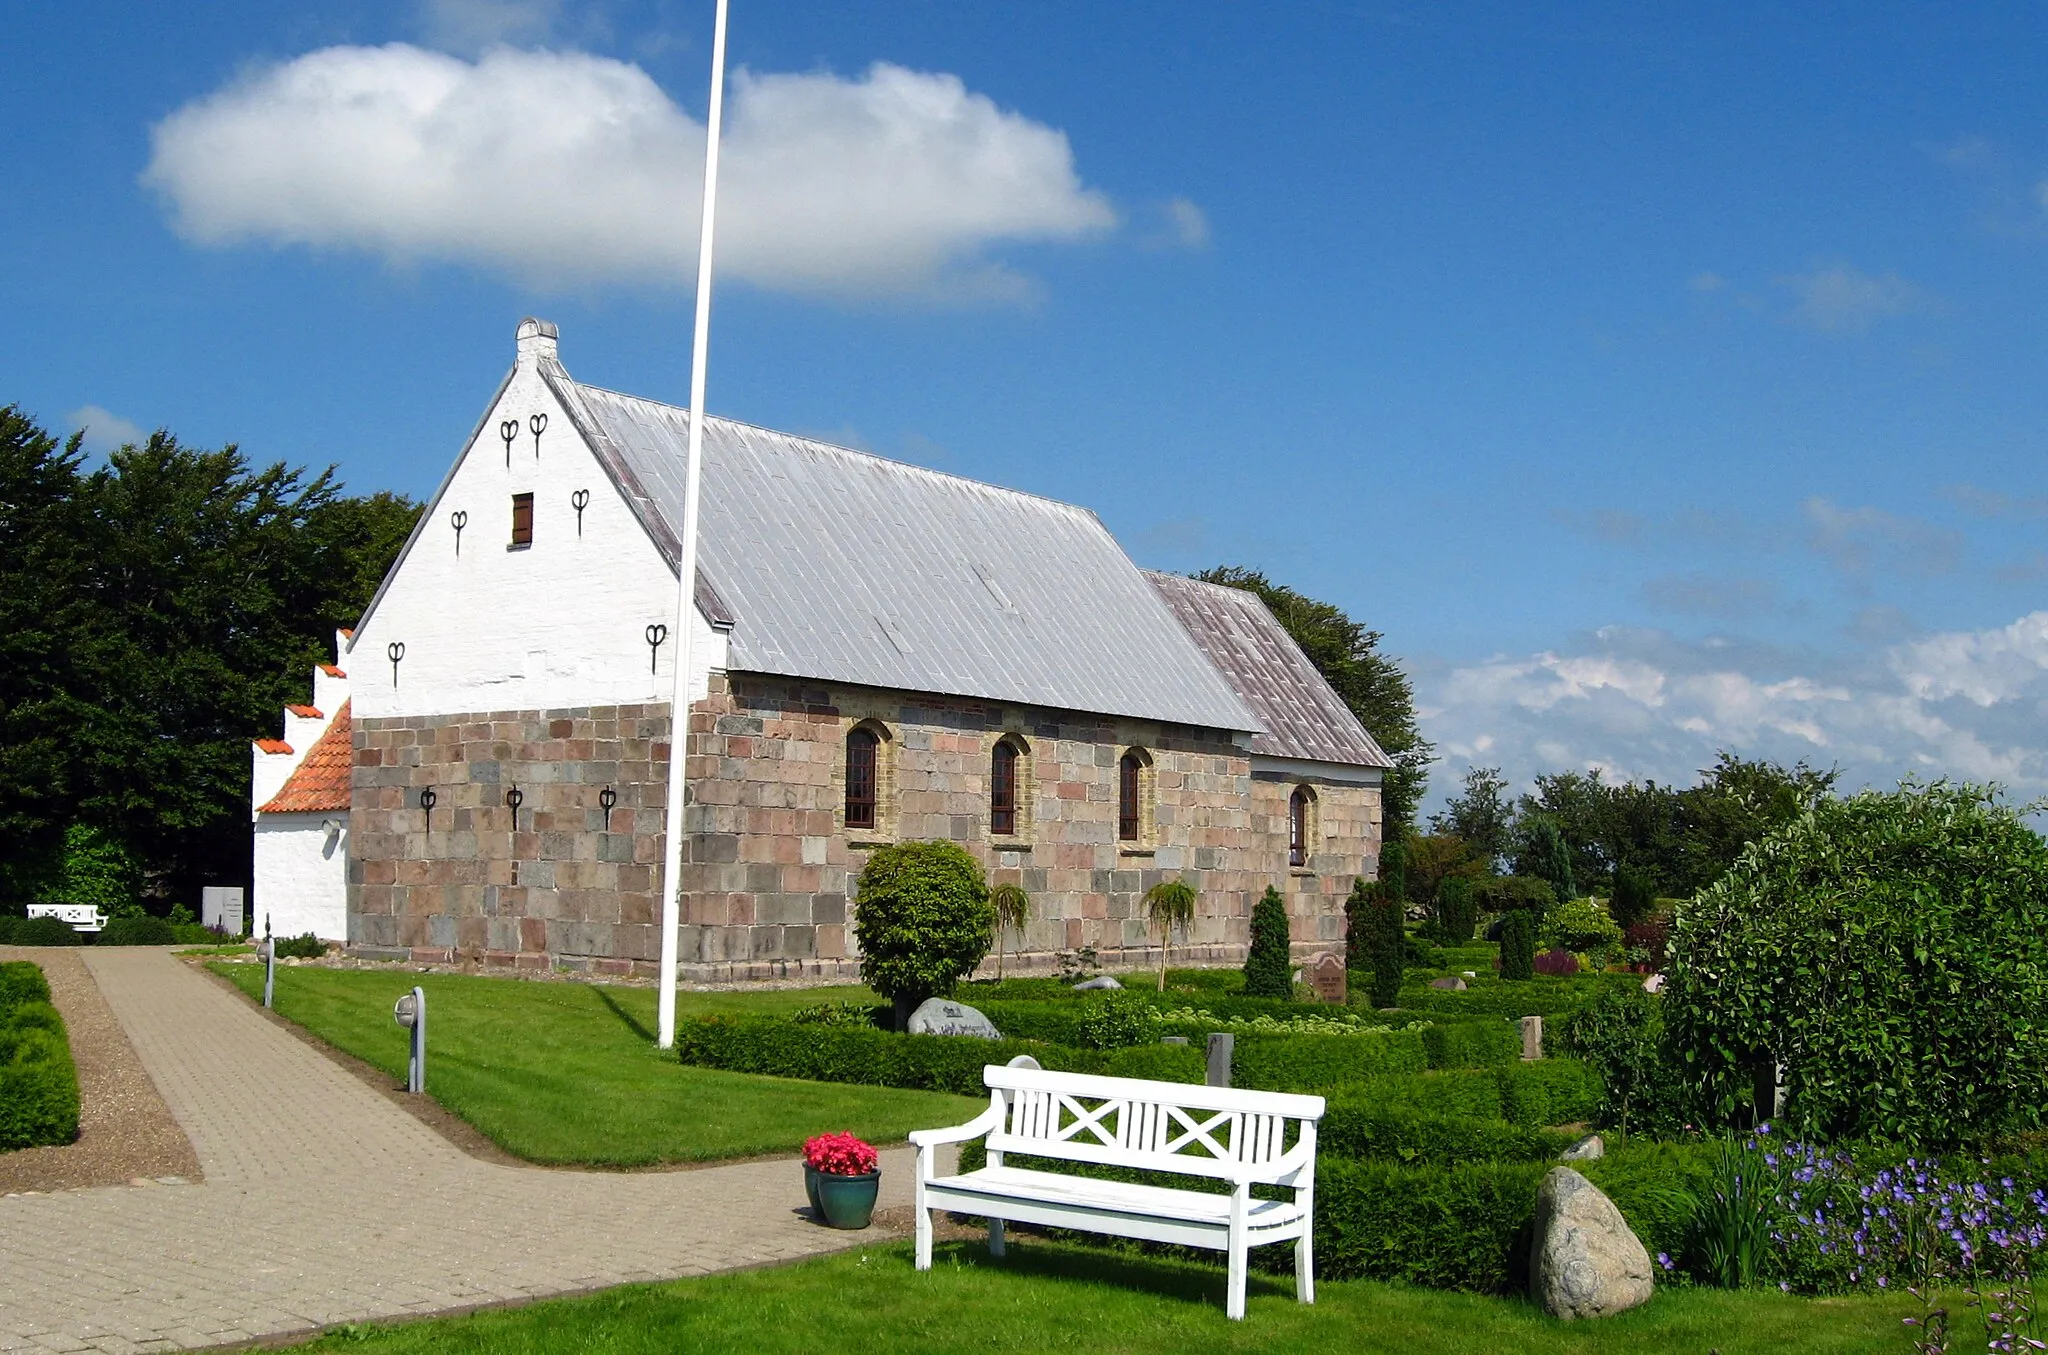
{"points": [[880, 653]]}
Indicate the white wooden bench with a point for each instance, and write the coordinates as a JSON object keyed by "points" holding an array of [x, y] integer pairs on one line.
{"points": [[1242, 1137], [80, 917]]}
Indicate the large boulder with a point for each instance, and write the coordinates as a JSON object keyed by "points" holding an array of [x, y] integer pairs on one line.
{"points": [[1584, 1262]]}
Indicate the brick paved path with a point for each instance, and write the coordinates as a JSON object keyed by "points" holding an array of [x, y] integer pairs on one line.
{"points": [[323, 1203]]}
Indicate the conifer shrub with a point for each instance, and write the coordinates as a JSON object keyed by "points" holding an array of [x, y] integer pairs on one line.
{"points": [[1268, 964], [1518, 945], [1634, 897], [1455, 910], [1386, 949]]}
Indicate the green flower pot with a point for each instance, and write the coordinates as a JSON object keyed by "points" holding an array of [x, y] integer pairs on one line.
{"points": [[847, 1201], [811, 1189]]}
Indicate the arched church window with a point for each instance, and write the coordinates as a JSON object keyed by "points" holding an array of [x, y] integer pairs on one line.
{"points": [[862, 747]]}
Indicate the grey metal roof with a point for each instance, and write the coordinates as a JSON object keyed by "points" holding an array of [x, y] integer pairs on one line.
{"points": [[1302, 715], [838, 565]]}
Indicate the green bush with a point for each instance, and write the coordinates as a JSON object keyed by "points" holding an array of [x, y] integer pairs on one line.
{"points": [[1313, 1063], [1548, 1091], [1268, 964], [1582, 926], [1518, 946], [1654, 1184], [20, 983], [136, 929], [1543, 995], [1545, 1092], [194, 934], [1116, 1020], [1160, 1063], [1217, 980], [1054, 1022], [1891, 950], [1471, 1044], [923, 920], [1620, 1034], [1358, 1127], [857, 1014], [1457, 1227], [1545, 855], [306, 947], [99, 871], [38, 1084], [1456, 910], [46, 931], [1634, 899]]}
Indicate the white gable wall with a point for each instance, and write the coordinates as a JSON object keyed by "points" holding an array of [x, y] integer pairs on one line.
{"points": [[301, 876], [561, 623]]}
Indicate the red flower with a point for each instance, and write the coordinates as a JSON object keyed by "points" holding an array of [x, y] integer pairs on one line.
{"points": [[839, 1155]]}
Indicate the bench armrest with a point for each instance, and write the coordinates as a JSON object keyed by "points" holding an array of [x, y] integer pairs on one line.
{"points": [[987, 1122], [1288, 1164]]}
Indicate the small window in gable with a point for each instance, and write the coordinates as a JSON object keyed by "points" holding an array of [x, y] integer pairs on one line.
{"points": [[862, 765], [1002, 790], [522, 520]]}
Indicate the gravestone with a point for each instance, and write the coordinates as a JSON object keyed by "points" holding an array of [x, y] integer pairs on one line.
{"points": [[1448, 985], [1654, 984], [1586, 1149], [1326, 976], [943, 1016], [220, 906], [1101, 983], [1532, 1038], [1222, 1045]]}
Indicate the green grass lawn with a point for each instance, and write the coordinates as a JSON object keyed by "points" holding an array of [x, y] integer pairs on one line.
{"points": [[1047, 1296], [568, 1072]]}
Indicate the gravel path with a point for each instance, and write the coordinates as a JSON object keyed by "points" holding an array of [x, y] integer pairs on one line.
{"points": [[126, 1134]]}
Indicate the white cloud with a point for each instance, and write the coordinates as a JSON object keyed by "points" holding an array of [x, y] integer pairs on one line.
{"points": [[1842, 300], [1190, 225], [1855, 539], [105, 432], [565, 170], [1642, 703], [474, 25]]}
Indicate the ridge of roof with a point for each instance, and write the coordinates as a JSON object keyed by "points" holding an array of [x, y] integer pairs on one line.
{"points": [[841, 448], [321, 782]]}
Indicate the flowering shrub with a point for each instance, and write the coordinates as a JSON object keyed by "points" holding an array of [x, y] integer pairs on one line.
{"points": [[1832, 1227], [1557, 963], [839, 1155]]}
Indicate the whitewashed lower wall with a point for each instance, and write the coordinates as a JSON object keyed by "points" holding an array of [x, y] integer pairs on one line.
{"points": [[301, 875]]}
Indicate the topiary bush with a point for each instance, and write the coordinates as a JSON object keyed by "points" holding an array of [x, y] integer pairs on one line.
{"points": [[1583, 926], [1518, 945], [1634, 898], [1268, 964], [1456, 910], [1386, 949], [923, 920], [136, 929], [1891, 951]]}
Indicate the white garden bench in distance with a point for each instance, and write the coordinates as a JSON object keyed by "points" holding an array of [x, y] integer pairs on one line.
{"points": [[1223, 1133]]}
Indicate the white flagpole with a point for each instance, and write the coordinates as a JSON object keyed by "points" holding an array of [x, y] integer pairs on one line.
{"points": [[686, 572]]}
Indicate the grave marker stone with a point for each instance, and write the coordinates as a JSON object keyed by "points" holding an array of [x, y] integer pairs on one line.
{"points": [[1326, 976]]}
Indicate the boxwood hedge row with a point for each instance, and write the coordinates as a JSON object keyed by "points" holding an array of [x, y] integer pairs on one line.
{"points": [[38, 1084]]}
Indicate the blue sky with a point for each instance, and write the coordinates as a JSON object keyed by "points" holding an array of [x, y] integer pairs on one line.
{"points": [[1656, 381]]}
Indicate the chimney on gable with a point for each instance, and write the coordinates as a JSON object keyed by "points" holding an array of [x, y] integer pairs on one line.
{"points": [[536, 340]]}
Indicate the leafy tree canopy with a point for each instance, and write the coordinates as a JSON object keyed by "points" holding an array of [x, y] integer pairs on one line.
{"points": [[155, 614], [1371, 683]]}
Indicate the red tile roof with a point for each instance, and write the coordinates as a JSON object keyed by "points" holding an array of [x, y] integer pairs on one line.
{"points": [[321, 782], [332, 671], [273, 745], [305, 712], [350, 634]]}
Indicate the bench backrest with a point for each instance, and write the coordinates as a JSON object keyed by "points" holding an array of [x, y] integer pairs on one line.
{"points": [[1129, 1122]]}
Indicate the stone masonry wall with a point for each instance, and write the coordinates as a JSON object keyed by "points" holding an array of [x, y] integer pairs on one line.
{"points": [[771, 865]]}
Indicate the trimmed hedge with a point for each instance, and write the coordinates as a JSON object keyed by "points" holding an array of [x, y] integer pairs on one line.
{"points": [[38, 1084], [1547, 1092], [1160, 1063], [1471, 1044], [1357, 1128], [38, 931], [1541, 996], [136, 931], [21, 982], [876, 1058], [1312, 1063]]}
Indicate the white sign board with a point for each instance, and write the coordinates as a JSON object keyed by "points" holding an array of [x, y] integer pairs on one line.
{"points": [[220, 906]]}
